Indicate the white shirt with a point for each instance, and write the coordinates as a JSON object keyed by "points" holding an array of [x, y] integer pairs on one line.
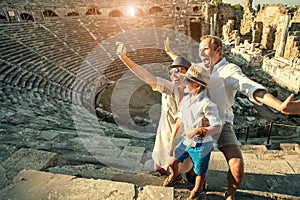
{"points": [[194, 110], [226, 79]]}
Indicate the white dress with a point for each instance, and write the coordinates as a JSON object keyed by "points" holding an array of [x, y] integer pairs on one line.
{"points": [[169, 109]]}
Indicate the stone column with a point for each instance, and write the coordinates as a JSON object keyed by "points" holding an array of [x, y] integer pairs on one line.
{"points": [[33, 16], [211, 26], [215, 24], [281, 46]]}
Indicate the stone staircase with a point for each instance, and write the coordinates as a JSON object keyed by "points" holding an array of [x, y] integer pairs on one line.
{"points": [[34, 174]]}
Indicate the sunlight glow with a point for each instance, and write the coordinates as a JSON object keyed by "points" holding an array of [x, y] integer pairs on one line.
{"points": [[131, 11]]}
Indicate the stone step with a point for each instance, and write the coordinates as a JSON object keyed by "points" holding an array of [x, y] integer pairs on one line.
{"points": [[265, 173], [133, 153], [28, 159], [36, 185]]}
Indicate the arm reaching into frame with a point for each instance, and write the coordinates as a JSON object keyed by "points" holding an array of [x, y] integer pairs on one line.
{"points": [[139, 71], [288, 107]]}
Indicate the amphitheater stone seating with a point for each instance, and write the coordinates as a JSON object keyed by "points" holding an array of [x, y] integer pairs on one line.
{"points": [[72, 33], [16, 76], [23, 79]]}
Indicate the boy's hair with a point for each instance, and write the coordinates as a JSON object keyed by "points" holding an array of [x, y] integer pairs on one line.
{"points": [[214, 40], [202, 88]]}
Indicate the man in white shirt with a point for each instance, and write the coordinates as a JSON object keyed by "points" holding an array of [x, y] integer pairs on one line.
{"points": [[226, 80]]}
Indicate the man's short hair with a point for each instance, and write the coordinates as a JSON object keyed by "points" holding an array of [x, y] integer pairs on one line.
{"points": [[214, 40]]}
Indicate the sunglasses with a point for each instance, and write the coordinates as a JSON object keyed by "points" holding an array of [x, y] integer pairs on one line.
{"points": [[174, 70]]}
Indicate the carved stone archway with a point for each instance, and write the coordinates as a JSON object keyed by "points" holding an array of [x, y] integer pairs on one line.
{"points": [[26, 17], [49, 13], [116, 13], [93, 11], [155, 10]]}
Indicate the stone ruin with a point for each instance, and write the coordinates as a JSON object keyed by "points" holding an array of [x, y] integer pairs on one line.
{"points": [[271, 41]]}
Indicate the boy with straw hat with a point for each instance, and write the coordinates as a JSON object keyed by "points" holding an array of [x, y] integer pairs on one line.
{"points": [[197, 142]]}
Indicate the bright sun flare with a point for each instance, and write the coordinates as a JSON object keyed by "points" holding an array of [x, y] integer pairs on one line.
{"points": [[131, 11]]}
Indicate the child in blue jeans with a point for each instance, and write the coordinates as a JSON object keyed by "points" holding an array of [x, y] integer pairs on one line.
{"points": [[197, 142]]}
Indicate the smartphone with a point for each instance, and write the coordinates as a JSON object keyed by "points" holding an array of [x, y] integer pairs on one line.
{"points": [[120, 48]]}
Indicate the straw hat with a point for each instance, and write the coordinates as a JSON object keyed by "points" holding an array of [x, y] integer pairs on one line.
{"points": [[198, 74]]}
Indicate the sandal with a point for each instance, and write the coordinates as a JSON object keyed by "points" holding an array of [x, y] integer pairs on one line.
{"points": [[170, 180]]}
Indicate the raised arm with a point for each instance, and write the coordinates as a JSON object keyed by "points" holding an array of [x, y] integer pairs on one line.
{"points": [[139, 71], [168, 49], [289, 106]]}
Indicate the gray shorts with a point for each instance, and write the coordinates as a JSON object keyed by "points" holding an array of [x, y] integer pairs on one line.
{"points": [[227, 136]]}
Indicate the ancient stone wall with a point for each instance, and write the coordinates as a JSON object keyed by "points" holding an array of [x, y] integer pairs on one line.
{"points": [[297, 14], [286, 72], [226, 13], [267, 25], [292, 47], [272, 17], [248, 17], [62, 8], [274, 30], [206, 16]]}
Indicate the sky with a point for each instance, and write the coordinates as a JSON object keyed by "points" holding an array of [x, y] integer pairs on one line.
{"points": [[261, 2]]}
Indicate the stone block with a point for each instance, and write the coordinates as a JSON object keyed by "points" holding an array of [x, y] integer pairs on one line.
{"points": [[249, 156], [150, 192], [217, 162], [295, 165], [36, 185], [268, 167], [121, 163], [28, 159], [48, 135], [133, 153], [290, 147], [260, 148]]}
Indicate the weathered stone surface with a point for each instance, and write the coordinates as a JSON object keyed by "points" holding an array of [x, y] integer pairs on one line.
{"points": [[268, 167], [48, 135], [133, 153], [282, 72], [217, 162], [295, 164], [156, 192], [3, 179], [107, 173], [35, 185], [264, 177], [290, 147], [28, 159], [261, 148], [58, 186]]}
